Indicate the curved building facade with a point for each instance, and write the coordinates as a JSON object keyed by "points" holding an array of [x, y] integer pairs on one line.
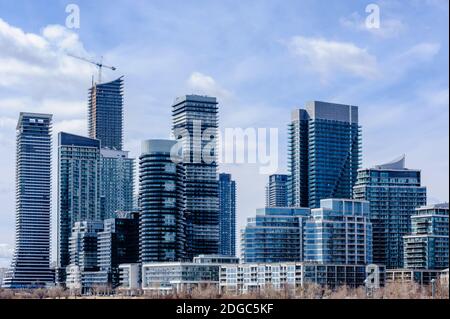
{"points": [[161, 199]]}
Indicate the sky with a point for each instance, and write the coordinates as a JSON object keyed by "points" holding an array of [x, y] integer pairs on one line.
{"points": [[261, 59]]}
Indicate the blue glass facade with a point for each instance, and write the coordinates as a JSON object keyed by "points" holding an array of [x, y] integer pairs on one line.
{"points": [[274, 235], [227, 208], [162, 204], [394, 192], [31, 261], [339, 232], [324, 153], [105, 113], [426, 247], [79, 169]]}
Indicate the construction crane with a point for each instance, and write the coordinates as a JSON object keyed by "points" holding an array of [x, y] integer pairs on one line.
{"points": [[99, 65]]}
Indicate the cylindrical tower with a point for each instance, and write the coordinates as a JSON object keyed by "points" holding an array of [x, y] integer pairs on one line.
{"points": [[161, 199]]}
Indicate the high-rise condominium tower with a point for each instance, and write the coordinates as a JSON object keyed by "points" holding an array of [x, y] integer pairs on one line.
{"points": [[195, 125], [426, 247], [117, 182], [324, 153], [78, 189], [275, 234], [339, 232], [276, 191], [31, 261], [105, 113], [227, 208], [161, 198], [394, 193]]}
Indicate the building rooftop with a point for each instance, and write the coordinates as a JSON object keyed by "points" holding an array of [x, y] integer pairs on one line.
{"points": [[29, 114], [332, 111], [195, 98], [434, 206], [68, 139], [398, 163]]}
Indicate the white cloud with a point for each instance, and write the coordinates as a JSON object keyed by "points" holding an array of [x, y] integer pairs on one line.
{"points": [[58, 106], [331, 58], [40, 61], [76, 126], [421, 52], [6, 251], [389, 27], [7, 122], [205, 84]]}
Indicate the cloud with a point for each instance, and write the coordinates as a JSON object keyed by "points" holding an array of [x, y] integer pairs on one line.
{"points": [[421, 52], [389, 27], [59, 106], [76, 126], [40, 61], [6, 251], [205, 84], [331, 58]]}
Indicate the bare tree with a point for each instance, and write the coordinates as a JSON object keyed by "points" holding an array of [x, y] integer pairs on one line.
{"points": [[57, 292]]}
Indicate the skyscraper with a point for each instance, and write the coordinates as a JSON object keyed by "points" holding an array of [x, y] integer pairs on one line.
{"points": [[227, 208], [195, 125], [394, 192], [161, 198], [324, 153], [117, 182], [339, 232], [31, 261], [105, 113], [78, 189], [276, 191], [426, 247]]}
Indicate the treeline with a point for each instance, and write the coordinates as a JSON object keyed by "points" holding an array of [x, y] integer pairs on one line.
{"points": [[393, 290]]}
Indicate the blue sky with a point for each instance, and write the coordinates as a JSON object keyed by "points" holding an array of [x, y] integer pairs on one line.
{"points": [[260, 58]]}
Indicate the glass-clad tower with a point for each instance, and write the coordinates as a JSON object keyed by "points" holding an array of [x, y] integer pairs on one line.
{"points": [[195, 125], [426, 247], [83, 245], [105, 113], [227, 207], [274, 235], [324, 153], [394, 193], [161, 199], [118, 243], [277, 191], [339, 232], [78, 189], [117, 182], [31, 261]]}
